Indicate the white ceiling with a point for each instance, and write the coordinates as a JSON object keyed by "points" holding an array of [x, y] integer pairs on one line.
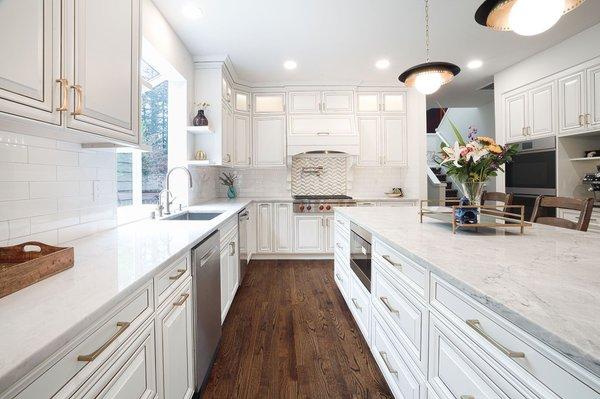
{"points": [[339, 41]]}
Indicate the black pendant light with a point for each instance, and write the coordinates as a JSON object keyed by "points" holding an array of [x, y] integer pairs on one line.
{"points": [[524, 17], [430, 76]]}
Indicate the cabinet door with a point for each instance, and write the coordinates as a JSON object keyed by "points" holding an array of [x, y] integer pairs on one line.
{"points": [[269, 103], [269, 141], [515, 118], [308, 233], [322, 126], [103, 65], [542, 110], [227, 136], [241, 140], [242, 101], [305, 102], [368, 132], [367, 102], [571, 104], [233, 274], [263, 228], [593, 89], [30, 63], [394, 102], [283, 227], [338, 102], [175, 343], [224, 261], [329, 233], [394, 140]]}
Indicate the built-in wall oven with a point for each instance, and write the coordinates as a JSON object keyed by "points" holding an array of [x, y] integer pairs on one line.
{"points": [[532, 172], [360, 254]]}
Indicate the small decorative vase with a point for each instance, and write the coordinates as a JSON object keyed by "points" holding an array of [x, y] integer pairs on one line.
{"points": [[200, 119], [231, 192], [473, 191]]}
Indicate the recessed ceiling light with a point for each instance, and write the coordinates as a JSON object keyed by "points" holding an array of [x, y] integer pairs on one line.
{"points": [[474, 64], [382, 64], [192, 11], [290, 64]]}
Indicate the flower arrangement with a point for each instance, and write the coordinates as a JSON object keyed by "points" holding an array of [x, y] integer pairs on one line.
{"points": [[202, 105], [228, 180], [472, 163]]}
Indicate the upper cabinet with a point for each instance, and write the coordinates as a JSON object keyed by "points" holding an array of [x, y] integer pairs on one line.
{"points": [[73, 73], [579, 101], [226, 91], [386, 102], [269, 141], [269, 103], [531, 113], [368, 102], [317, 102], [242, 101], [393, 102]]}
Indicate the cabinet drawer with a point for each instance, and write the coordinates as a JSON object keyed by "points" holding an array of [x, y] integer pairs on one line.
{"points": [[528, 357], [360, 306], [342, 245], [457, 371], [228, 228], [342, 224], [85, 354], [405, 314], [402, 380], [131, 374], [341, 275], [168, 280], [414, 275]]}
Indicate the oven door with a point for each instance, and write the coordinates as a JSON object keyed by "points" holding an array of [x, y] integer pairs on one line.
{"points": [[532, 173], [360, 255]]}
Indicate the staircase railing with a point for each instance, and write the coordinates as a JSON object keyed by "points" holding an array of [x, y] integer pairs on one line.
{"points": [[436, 190], [456, 185]]}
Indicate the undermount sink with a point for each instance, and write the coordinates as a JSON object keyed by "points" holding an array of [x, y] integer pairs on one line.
{"points": [[194, 216]]}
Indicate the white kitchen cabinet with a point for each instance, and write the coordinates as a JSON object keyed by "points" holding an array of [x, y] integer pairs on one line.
{"points": [[269, 141], [242, 139], [367, 102], [515, 113], [394, 136], [394, 102], [32, 59], [321, 126], [233, 275], [282, 227], [264, 228], [227, 136], [226, 91], [229, 258], [102, 67], [242, 101], [542, 108], [317, 102], [369, 141], [175, 346], [572, 103], [329, 236], [305, 102], [308, 233], [338, 102], [593, 99], [269, 103], [224, 262]]}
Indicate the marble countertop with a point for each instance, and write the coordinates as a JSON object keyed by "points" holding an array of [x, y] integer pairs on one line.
{"points": [[546, 282], [40, 319]]}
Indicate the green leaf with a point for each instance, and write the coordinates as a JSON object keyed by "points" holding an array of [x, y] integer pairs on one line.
{"points": [[459, 137]]}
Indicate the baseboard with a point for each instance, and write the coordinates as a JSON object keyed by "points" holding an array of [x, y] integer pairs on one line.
{"points": [[263, 256]]}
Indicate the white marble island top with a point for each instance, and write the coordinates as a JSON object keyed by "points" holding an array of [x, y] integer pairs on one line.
{"points": [[39, 319], [547, 281]]}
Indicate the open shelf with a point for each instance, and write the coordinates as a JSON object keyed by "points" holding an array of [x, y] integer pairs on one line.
{"points": [[199, 129], [586, 159], [205, 162]]}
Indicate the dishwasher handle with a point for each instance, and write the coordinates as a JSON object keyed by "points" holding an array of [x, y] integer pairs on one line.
{"points": [[206, 257]]}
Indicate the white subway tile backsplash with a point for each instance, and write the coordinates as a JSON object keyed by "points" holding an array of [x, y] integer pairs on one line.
{"points": [[54, 221], [13, 152], [18, 228], [54, 189], [97, 159], [100, 213], [84, 229], [107, 174], [47, 237], [77, 202], [10, 191], [48, 156], [26, 172], [10, 210], [30, 141], [75, 173]]}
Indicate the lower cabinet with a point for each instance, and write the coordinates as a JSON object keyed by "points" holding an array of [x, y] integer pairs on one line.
{"points": [[314, 233], [274, 227], [174, 346], [230, 267]]}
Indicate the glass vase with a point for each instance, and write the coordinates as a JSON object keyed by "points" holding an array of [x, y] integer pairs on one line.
{"points": [[231, 193], [473, 191]]}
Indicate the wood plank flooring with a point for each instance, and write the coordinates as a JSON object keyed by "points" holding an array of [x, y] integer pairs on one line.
{"points": [[289, 334]]}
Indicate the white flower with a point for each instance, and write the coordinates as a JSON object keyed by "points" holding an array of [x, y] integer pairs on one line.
{"points": [[453, 154], [476, 151]]}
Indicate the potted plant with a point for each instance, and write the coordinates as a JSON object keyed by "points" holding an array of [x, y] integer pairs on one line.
{"points": [[472, 163], [228, 179], [200, 119]]}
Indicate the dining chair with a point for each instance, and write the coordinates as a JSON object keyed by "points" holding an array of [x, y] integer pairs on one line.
{"points": [[544, 203]]}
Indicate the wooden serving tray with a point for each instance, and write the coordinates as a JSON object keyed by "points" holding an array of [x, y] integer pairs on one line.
{"points": [[25, 264]]}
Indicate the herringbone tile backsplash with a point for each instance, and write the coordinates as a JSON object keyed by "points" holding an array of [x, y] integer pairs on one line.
{"points": [[319, 175]]}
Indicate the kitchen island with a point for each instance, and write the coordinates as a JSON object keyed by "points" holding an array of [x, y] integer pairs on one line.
{"points": [[542, 287]]}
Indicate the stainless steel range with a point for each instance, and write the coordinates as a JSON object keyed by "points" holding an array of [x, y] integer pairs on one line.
{"points": [[320, 203]]}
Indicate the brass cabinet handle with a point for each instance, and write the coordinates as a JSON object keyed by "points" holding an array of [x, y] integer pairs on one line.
{"points": [[180, 272], [322, 133], [581, 120], [356, 305], [337, 244], [78, 100], [386, 302], [587, 119], [391, 262], [387, 363], [123, 325], [64, 86], [231, 248], [340, 221], [467, 397], [339, 277], [184, 298], [476, 325]]}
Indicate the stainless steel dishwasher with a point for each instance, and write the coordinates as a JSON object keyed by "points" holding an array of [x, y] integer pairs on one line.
{"points": [[206, 272]]}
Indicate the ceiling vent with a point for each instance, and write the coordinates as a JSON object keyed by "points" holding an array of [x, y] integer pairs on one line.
{"points": [[489, 87]]}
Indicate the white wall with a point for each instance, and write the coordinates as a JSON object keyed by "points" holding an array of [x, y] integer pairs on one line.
{"points": [[53, 191], [481, 118]]}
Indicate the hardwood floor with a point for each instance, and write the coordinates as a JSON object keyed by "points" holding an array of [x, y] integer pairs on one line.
{"points": [[289, 334]]}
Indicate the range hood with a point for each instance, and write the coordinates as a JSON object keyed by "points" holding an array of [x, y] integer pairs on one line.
{"points": [[322, 133]]}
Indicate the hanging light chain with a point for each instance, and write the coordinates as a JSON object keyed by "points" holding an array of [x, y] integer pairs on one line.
{"points": [[427, 28]]}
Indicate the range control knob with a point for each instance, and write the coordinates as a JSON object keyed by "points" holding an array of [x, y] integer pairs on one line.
{"points": [[321, 207], [328, 207], [308, 208], [301, 208]]}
